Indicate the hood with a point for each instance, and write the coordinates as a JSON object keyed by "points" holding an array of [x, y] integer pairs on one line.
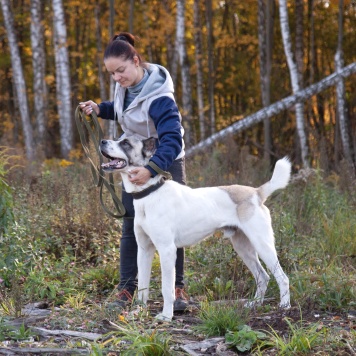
{"points": [[159, 82]]}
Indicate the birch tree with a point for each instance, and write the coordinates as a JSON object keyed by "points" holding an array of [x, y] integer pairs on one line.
{"points": [[293, 71], [209, 23], [110, 125], [39, 67], [265, 30], [63, 89], [340, 91], [99, 54], [199, 66], [18, 79], [185, 70], [299, 45]]}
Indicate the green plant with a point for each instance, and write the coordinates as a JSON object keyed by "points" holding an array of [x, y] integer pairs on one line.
{"points": [[6, 197], [7, 306], [331, 289], [76, 301], [12, 333], [218, 319], [140, 340], [244, 338], [299, 341]]}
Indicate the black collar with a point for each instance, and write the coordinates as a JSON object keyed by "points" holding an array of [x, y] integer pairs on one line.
{"points": [[149, 190]]}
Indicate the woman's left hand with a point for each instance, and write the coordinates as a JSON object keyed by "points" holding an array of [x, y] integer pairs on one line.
{"points": [[139, 176]]}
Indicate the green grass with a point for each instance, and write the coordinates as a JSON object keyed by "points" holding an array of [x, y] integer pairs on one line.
{"points": [[218, 319]]}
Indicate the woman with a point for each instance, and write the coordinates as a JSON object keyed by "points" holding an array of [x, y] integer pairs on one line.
{"points": [[144, 106]]}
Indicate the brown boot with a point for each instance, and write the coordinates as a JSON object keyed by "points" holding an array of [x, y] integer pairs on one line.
{"points": [[181, 302], [124, 298]]}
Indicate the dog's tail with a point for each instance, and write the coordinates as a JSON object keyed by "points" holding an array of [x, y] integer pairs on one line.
{"points": [[280, 179]]}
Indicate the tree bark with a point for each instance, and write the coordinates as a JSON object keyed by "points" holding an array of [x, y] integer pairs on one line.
{"points": [[199, 65], [185, 73], [111, 127], [299, 45], [131, 16], [211, 79], [62, 78], [293, 70], [274, 109], [340, 92], [39, 70], [99, 55], [18, 80], [265, 30]]}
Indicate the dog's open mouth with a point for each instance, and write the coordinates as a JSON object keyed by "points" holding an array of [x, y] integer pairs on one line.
{"points": [[115, 163]]}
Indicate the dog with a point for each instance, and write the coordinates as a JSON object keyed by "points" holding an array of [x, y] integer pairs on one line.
{"points": [[169, 215]]}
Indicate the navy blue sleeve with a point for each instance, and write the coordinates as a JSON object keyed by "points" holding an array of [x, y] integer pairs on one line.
{"points": [[166, 117], [107, 110]]}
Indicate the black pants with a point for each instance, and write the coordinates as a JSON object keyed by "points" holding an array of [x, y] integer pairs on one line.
{"points": [[128, 245]]}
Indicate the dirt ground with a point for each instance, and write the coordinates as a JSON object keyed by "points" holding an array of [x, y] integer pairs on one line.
{"points": [[50, 339]]}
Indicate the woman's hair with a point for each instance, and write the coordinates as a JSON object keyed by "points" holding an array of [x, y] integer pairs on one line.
{"points": [[122, 45]]}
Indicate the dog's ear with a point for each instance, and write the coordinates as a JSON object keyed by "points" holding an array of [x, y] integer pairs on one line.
{"points": [[149, 146]]}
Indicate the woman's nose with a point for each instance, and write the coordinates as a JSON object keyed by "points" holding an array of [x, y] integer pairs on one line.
{"points": [[116, 77]]}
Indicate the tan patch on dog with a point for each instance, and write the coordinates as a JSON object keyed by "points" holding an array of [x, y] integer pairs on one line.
{"points": [[241, 196]]}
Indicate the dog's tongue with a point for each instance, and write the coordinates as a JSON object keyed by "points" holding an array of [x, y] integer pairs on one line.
{"points": [[115, 163]]}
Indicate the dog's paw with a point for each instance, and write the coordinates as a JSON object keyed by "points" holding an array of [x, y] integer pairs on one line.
{"points": [[285, 306], [164, 318]]}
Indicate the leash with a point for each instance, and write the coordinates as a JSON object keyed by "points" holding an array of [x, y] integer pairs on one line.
{"points": [[90, 130]]}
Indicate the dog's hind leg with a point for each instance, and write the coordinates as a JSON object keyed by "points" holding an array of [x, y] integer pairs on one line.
{"points": [[145, 254], [259, 231], [168, 256], [248, 254]]}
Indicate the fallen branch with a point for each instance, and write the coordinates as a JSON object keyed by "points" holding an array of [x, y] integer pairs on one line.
{"points": [[84, 335], [40, 351]]}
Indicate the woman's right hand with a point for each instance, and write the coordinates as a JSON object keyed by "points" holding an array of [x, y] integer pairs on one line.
{"points": [[88, 107]]}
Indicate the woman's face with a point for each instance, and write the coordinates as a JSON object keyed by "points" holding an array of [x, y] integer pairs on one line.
{"points": [[125, 72]]}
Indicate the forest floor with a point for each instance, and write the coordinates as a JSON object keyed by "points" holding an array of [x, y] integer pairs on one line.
{"points": [[70, 331]]}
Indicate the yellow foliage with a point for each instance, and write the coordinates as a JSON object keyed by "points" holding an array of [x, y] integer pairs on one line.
{"points": [[55, 163], [76, 154], [65, 163]]}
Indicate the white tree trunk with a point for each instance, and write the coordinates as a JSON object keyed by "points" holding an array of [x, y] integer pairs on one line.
{"points": [[199, 65], [18, 80], [293, 71], [39, 67], [211, 78], [185, 74], [340, 92], [265, 29], [62, 78], [111, 127]]}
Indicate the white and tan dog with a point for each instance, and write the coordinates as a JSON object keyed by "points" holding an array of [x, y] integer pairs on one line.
{"points": [[169, 215]]}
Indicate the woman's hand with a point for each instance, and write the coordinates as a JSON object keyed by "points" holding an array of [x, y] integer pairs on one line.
{"points": [[89, 106], [139, 175]]}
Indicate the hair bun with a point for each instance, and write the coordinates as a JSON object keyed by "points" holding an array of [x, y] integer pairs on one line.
{"points": [[126, 37]]}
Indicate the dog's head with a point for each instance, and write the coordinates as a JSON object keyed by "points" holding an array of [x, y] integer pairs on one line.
{"points": [[127, 153]]}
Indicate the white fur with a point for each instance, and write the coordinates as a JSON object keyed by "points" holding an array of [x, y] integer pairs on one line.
{"points": [[177, 216]]}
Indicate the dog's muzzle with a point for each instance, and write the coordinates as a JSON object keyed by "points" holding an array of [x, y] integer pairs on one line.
{"points": [[115, 163]]}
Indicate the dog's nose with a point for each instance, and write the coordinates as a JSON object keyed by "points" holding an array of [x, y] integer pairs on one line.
{"points": [[104, 142]]}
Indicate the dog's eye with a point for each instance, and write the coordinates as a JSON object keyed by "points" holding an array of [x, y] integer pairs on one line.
{"points": [[125, 144]]}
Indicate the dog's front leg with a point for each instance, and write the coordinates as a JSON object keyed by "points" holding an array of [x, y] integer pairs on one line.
{"points": [[145, 254], [168, 256]]}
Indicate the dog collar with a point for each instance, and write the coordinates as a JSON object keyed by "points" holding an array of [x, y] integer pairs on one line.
{"points": [[149, 190]]}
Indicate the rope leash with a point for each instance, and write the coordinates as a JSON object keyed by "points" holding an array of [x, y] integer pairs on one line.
{"points": [[90, 130]]}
